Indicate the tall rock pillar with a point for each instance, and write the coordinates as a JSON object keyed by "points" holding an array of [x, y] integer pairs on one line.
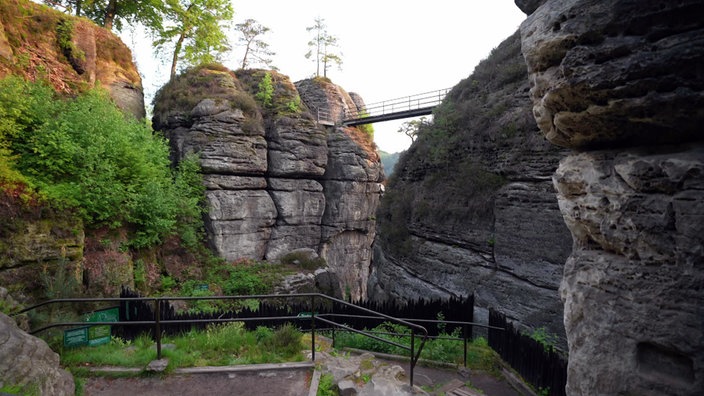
{"points": [[621, 83]]}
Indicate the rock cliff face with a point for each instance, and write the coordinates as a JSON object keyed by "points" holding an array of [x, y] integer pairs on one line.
{"points": [[72, 54], [276, 181], [622, 83], [471, 208], [38, 42]]}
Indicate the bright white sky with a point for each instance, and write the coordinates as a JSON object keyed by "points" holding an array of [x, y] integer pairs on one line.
{"points": [[389, 48]]}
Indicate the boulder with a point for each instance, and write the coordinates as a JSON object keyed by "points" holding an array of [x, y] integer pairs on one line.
{"points": [[29, 363]]}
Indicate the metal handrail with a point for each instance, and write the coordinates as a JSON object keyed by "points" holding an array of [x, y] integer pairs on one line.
{"points": [[425, 100], [157, 322], [397, 105]]}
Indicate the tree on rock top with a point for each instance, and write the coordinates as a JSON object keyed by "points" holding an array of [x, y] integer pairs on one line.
{"points": [[196, 29], [112, 13]]}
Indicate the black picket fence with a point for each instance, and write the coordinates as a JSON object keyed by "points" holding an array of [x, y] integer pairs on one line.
{"points": [[542, 367], [453, 309]]}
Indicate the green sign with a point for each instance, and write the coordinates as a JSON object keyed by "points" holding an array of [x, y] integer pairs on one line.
{"points": [[104, 315], [93, 335], [98, 335], [76, 337]]}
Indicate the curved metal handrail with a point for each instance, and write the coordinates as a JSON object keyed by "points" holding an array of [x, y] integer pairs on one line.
{"points": [[157, 322]]}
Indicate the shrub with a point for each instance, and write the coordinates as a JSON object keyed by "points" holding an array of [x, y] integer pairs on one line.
{"points": [[266, 91], [85, 154]]}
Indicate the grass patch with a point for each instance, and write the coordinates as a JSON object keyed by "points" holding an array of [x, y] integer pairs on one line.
{"points": [[479, 355], [219, 345]]}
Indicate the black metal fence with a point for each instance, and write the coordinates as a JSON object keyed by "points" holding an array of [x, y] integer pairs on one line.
{"points": [[134, 310], [418, 311], [542, 367]]}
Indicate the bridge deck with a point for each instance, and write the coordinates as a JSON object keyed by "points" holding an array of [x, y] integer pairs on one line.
{"points": [[390, 116]]}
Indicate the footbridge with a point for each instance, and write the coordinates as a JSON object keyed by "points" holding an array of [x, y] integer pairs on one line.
{"points": [[387, 110]]}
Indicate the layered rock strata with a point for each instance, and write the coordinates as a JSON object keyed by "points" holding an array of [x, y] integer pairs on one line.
{"points": [[276, 180], [622, 83], [471, 208]]}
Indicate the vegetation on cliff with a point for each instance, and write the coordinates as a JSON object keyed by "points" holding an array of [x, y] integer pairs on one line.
{"points": [[83, 154], [445, 176]]}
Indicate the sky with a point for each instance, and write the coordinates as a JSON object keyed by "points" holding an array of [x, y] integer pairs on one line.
{"points": [[389, 48]]}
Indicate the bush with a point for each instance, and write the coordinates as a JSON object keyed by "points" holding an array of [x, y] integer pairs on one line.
{"points": [[85, 154]]}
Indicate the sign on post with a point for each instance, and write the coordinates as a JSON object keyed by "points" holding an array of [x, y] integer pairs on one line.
{"points": [[93, 335]]}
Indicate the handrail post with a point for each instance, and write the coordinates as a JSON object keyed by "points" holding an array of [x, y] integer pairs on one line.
{"points": [[157, 326], [312, 327], [464, 336], [413, 358]]}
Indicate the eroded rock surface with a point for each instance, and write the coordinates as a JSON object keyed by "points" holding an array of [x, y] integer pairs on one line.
{"points": [[276, 180], [616, 73], [471, 208], [29, 363], [622, 82]]}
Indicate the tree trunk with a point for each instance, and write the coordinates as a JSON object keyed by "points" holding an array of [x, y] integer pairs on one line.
{"points": [[177, 50], [110, 13], [79, 3], [244, 58]]}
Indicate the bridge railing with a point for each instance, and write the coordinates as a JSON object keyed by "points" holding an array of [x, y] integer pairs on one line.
{"points": [[398, 105]]}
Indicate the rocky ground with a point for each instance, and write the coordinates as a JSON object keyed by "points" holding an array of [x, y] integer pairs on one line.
{"points": [[378, 376]]}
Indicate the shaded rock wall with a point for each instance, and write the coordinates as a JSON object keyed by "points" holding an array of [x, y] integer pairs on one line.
{"points": [[622, 83], [471, 208], [276, 181]]}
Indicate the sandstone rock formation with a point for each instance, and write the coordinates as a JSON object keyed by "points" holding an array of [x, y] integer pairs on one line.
{"points": [[622, 83], [29, 363], [37, 245], [471, 208], [71, 53], [276, 180]]}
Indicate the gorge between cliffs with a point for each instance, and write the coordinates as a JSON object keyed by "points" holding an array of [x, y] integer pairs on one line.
{"points": [[561, 183]]}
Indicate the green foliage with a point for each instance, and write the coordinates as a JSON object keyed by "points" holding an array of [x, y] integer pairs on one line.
{"points": [[64, 34], [84, 154], [479, 355], [294, 105], [196, 30], [544, 338], [255, 49], [322, 47], [219, 345], [266, 90], [60, 283], [188, 183], [114, 13], [25, 390], [243, 277], [368, 129], [326, 386]]}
